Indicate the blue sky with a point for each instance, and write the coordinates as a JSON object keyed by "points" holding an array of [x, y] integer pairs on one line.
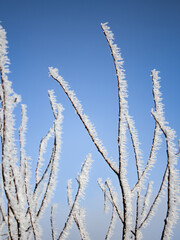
{"points": [[66, 34]]}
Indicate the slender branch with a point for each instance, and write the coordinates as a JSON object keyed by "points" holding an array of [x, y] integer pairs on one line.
{"points": [[28, 201], [70, 213], [146, 198], [50, 178], [113, 202], [168, 200], [156, 198], [52, 224], [77, 215], [171, 202], [135, 144], [4, 139], [82, 180], [137, 214], [123, 109], [156, 137], [111, 225], [87, 124], [38, 181], [150, 159], [9, 225]]}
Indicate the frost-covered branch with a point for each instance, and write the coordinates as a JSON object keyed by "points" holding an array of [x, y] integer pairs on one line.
{"points": [[53, 232], [83, 117], [155, 203], [158, 105], [122, 128], [170, 175], [173, 180], [111, 195], [82, 180], [146, 199], [24, 204], [111, 225], [135, 144], [79, 215]]}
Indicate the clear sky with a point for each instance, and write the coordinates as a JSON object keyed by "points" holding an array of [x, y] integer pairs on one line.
{"points": [[66, 34]]}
